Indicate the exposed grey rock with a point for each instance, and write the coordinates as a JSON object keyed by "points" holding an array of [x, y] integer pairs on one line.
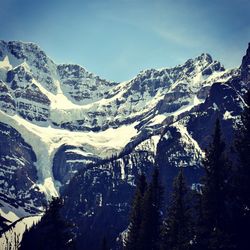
{"points": [[18, 172], [7, 102]]}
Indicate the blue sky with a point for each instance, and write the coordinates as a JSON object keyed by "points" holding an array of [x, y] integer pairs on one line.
{"points": [[117, 38]]}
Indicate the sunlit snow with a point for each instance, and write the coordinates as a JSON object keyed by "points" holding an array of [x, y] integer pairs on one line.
{"points": [[46, 140]]}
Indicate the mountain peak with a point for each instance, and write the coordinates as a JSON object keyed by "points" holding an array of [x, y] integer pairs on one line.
{"points": [[205, 57], [20, 47], [245, 66], [203, 60]]}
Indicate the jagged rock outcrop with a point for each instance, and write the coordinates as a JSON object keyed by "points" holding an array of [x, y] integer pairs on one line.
{"points": [[7, 102], [18, 172], [68, 160], [80, 86], [41, 66], [245, 66]]}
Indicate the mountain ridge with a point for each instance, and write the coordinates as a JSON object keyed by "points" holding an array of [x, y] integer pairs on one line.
{"points": [[34, 103], [160, 117], [66, 90]]}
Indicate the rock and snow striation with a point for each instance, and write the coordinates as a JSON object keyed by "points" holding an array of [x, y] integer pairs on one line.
{"points": [[57, 119], [68, 96]]}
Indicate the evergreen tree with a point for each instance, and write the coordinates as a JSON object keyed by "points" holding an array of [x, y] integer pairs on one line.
{"points": [[149, 238], [52, 232], [213, 230], [241, 192], [178, 226], [199, 226], [136, 214]]}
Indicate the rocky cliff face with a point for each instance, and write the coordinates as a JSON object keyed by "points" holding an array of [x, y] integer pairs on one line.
{"points": [[245, 66], [18, 172], [68, 131], [7, 102], [42, 67], [80, 86]]}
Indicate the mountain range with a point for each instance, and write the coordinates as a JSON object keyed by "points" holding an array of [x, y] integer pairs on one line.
{"points": [[65, 131]]}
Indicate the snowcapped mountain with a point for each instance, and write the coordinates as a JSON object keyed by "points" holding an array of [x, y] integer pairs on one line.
{"points": [[70, 97], [61, 123]]}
